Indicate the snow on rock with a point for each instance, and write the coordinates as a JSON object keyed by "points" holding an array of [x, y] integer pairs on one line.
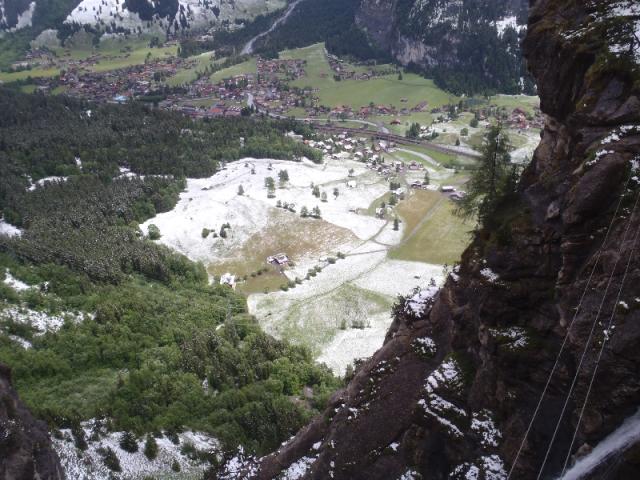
{"points": [[417, 304], [465, 471], [514, 338], [493, 468], [482, 423], [240, 467], [447, 378], [298, 469], [8, 229], [489, 275], [410, 475], [89, 465], [425, 346]]}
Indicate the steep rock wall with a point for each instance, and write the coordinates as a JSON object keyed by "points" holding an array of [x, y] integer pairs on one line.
{"points": [[25, 449]]}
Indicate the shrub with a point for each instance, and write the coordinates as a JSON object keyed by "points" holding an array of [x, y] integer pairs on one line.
{"points": [[150, 448], [110, 460], [154, 232]]}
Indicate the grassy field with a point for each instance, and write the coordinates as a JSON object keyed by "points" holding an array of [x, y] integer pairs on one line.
{"points": [[358, 93], [306, 322], [250, 66], [33, 73], [415, 208], [440, 238], [527, 103], [188, 75], [288, 233]]}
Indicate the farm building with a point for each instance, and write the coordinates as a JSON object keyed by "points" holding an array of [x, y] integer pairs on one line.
{"points": [[280, 259]]}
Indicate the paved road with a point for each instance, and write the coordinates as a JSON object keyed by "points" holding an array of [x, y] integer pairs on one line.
{"points": [[248, 48]]}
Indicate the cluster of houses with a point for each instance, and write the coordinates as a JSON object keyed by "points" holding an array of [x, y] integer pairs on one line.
{"points": [[342, 70], [78, 80]]}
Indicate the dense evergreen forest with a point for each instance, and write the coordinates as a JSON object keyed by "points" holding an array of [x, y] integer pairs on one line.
{"points": [[157, 348], [330, 21]]}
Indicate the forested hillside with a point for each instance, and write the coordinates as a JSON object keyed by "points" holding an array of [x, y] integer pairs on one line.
{"points": [[116, 326], [466, 46]]}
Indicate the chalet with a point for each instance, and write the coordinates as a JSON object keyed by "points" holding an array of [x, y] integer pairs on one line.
{"points": [[280, 259], [457, 195], [417, 184], [352, 184], [447, 189]]}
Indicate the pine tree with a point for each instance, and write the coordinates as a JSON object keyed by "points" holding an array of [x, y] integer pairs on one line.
{"points": [[396, 224], [336, 192], [150, 448], [427, 178], [128, 442], [304, 212], [240, 190], [492, 180], [323, 197]]}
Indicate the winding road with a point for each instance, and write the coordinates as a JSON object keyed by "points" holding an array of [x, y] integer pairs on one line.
{"points": [[248, 48]]}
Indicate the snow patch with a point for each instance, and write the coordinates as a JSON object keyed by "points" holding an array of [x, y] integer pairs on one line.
{"points": [[8, 229]]}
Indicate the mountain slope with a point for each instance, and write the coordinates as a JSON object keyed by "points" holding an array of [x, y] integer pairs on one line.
{"points": [[453, 391], [468, 46]]}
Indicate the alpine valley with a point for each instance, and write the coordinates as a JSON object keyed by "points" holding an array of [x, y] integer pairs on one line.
{"points": [[319, 239]]}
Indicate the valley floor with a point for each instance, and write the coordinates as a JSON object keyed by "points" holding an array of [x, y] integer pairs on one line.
{"points": [[336, 295]]}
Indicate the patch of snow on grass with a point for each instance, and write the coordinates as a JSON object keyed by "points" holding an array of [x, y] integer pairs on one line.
{"points": [[43, 181], [8, 229], [396, 277], [13, 282]]}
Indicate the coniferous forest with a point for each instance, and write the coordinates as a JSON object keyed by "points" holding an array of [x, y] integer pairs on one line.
{"points": [[166, 351]]}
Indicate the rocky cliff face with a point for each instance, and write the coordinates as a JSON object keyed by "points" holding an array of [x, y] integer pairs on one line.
{"points": [[25, 448], [455, 390], [453, 37]]}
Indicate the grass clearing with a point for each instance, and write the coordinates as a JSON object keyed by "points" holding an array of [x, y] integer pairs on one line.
{"points": [[287, 233], [314, 323], [250, 66], [439, 239], [416, 207], [357, 93], [188, 75]]}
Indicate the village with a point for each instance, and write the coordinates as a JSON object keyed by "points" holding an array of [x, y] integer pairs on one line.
{"points": [[273, 87]]}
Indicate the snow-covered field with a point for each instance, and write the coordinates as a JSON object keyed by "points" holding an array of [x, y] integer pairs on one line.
{"points": [[89, 465], [343, 312], [198, 13]]}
